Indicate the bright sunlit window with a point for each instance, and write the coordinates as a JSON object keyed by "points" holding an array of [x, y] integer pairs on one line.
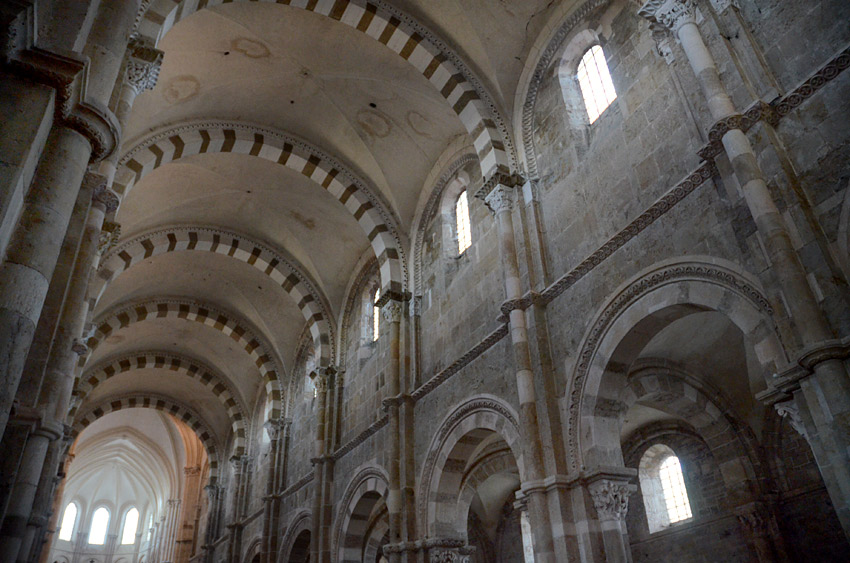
{"points": [[464, 233], [376, 316], [131, 523], [99, 524], [595, 82], [662, 485], [66, 531], [673, 486]]}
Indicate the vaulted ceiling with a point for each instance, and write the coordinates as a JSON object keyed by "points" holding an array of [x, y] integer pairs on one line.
{"points": [[266, 118]]}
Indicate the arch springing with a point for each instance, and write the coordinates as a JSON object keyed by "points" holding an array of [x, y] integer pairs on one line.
{"points": [[597, 89], [131, 525], [464, 230], [99, 525], [69, 520]]}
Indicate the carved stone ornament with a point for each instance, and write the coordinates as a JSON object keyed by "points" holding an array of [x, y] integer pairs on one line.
{"points": [[79, 347], [143, 64], [500, 199], [672, 14], [109, 235], [105, 198], [789, 410], [392, 311], [611, 498], [447, 556]]}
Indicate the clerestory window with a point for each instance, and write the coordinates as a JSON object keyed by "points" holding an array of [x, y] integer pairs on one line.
{"points": [[131, 524], [99, 524], [663, 488], [464, 231], [69, 519], [597, 89]]}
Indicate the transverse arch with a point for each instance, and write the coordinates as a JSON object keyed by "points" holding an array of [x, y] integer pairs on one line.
{"points": [[403, 36]]}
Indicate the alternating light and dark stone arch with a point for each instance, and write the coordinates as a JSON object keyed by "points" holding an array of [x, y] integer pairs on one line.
{"points": [[164, 404], [189, 367], [285, 272], [409, 40], [371, 213], [260, 351]]}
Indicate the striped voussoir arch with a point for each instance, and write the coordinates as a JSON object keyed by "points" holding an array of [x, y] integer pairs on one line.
{"points": [[257, 349], [399, 36], [206, 239], [227, 137], [192, 368], [166, 405]]}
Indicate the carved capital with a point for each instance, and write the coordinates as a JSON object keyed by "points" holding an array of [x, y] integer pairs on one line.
{"points": [[101, 195], [790, 410], [500, 198], [611, 498], [672, 14], [109, 235], [79, 347], [392, 311], [274, 428], [143, 64], [190, 471]]}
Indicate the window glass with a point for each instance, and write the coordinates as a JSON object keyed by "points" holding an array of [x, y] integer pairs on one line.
{"points": [[131, 523], [66, 531], [675, 494], [99, 524], [464, 233], [595, 82]]}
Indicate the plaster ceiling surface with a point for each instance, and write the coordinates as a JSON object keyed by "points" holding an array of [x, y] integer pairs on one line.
{"points": [[639, 416], [215, 279], [257, 198], [303, 73], [189, 339], [493, 37], [163, 382]]}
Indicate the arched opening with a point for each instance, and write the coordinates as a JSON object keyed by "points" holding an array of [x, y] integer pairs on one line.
{"points": [[300, 552]]}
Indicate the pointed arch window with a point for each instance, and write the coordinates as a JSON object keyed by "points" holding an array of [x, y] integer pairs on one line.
{"points": [[131, 524], [99, 525], [597, 89], [464, 231], [376, 315], [663, 488], [69, 519]]}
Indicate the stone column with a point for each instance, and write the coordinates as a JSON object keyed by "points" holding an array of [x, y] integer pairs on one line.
{"points": [[391, 310], [761, 529], [270, 503], [56, 497], [825, 385], [33, 251], [235, 521], [58, 381], [185, 526], [611, 501], [213, 514], [316, 537], [500, 201]]}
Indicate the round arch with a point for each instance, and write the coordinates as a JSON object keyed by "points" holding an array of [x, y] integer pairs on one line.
{"points": [[228, 324], [460, 433], [295, 547], [195, 369], [257, 255], [654, 299], [371, 213], [364, 492], [170, 406], [409, 40]]}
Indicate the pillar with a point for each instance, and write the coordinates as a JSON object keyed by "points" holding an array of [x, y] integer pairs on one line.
{"points": [[317, 540], [611, 501], [500, 201], [824, 381]]}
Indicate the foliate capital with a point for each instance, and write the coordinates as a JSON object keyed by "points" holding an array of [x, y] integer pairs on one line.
{"points": [[392, 311], [500, 198], [790, 410], [611, 498], [105, 198], [143, 64], [672, 14]]}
